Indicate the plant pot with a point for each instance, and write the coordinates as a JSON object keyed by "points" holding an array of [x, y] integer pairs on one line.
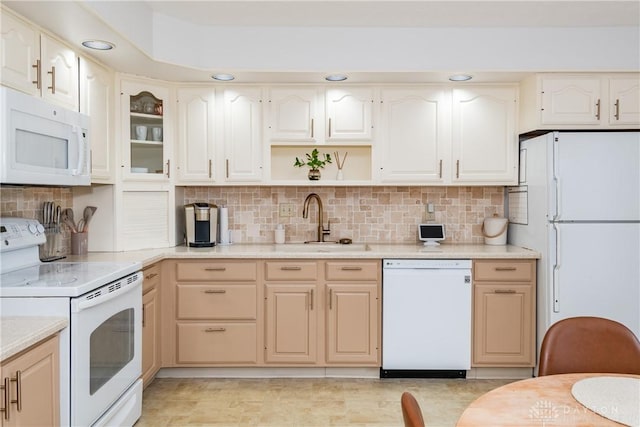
{"points": [[314, 174]]}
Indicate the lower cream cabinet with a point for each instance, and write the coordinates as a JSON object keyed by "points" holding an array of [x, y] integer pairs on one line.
{"points": [[504, 313], [322, 313], [31, 384], [352, 312], [291, 312], [150, 323], [215, 312]]}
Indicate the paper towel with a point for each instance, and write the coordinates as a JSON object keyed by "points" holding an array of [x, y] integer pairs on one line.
{"points": [[224, 225]]}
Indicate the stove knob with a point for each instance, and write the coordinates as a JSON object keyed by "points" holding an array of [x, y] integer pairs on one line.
{"points": [[33, 228], [40, 228]]}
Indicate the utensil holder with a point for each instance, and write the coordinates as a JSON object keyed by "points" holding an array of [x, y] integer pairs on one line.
{"points": [[79, 243], [50, 249]]}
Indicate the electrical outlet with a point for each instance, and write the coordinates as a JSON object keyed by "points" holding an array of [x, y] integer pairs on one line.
{"points": [[286, 210], [429, 212]]}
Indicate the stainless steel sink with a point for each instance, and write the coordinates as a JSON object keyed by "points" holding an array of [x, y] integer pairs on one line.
{"points": [[327, 247]]}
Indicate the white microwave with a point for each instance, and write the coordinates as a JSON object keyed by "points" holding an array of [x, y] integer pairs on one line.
{"points": [[42, 143]]}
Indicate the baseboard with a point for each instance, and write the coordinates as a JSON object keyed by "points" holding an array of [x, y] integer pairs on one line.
{"points": [[302, 372]]}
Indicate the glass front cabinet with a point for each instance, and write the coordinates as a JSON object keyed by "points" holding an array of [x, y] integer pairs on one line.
{"points": [[146, 132]]}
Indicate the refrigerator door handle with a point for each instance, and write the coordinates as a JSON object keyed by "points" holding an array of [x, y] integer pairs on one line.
{"points": [[556, 181], [556, 270]]}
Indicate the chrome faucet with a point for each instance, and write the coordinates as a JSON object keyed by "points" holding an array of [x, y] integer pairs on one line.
{"points": [[305, 214]]}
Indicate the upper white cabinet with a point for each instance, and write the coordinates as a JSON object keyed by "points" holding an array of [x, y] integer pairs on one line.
{"points": [[38, 64], [349, 114], [414, 141], [20, 54], [243, 134], [299, 114], [196, 148], [624, 101], [580, 101], [146, 134], [295, 115], [96, 100], [483, 139]]}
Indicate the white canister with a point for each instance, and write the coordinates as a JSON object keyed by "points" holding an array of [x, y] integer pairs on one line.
{"points": [[494, 230], [279, 234]]}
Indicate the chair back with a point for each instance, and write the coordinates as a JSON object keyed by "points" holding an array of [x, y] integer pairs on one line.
{"points": [[589, 344], [411, 412]]}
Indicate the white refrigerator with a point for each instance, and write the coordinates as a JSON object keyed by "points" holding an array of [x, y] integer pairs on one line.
{"points": [[578, 204]]}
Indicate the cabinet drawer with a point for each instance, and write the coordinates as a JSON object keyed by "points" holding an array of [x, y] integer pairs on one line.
{"points": [[216, 343], [500, 271], [357, 270], [291, 270], [220, 271], [151, 277], [216, 301]]}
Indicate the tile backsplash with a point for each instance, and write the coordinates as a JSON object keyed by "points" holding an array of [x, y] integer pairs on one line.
{"points": [[364, 214]]}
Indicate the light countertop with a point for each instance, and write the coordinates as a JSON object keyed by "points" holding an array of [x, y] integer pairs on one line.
{"points": [[296, 251], [19, 333]]}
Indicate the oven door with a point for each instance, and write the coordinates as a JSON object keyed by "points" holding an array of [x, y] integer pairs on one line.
{"points": [[106, 347]]}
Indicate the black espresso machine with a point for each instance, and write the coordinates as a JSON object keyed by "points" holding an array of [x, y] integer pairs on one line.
{"points": [[201, 222]]}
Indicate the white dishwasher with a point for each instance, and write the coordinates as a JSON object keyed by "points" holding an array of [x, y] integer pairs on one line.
{"points": [[426, 318]]}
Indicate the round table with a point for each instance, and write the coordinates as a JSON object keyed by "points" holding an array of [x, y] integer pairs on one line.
{"points": [[541, 401]]}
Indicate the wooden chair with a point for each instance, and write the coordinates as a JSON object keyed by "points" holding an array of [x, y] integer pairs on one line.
{"points": [[411, 412], [589, 344]]}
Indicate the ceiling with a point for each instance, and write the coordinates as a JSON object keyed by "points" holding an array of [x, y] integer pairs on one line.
{"points": [[415, 13], [372, 41]]}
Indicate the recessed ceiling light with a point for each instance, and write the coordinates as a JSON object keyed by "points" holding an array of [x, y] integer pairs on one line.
{"points": [[460, 77], [98, 44], [223, 77], [336, 78]]}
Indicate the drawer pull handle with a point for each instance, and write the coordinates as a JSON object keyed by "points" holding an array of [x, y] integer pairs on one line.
{"points": [[53, 80], [505, 269], [215, 291], [18, 399], [37, 81], [504, 291], [7, 397], [215, 329], [150, 275], [351, 268], [215, 269], [291, 268]]}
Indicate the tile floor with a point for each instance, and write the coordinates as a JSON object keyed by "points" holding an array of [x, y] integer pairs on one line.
{"points": [[304, 402]]}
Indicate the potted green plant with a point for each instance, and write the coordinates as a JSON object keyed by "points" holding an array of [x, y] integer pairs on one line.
{"points": [[314, 161]]}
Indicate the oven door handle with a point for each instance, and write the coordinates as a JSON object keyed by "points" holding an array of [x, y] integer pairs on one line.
{"points": [[84, 304]]}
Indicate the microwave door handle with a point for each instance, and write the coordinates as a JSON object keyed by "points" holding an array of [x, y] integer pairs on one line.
{"points": [[78, 170]]}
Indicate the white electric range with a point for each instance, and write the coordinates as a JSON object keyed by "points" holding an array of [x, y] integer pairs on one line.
{"points": [[100, 351]]}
